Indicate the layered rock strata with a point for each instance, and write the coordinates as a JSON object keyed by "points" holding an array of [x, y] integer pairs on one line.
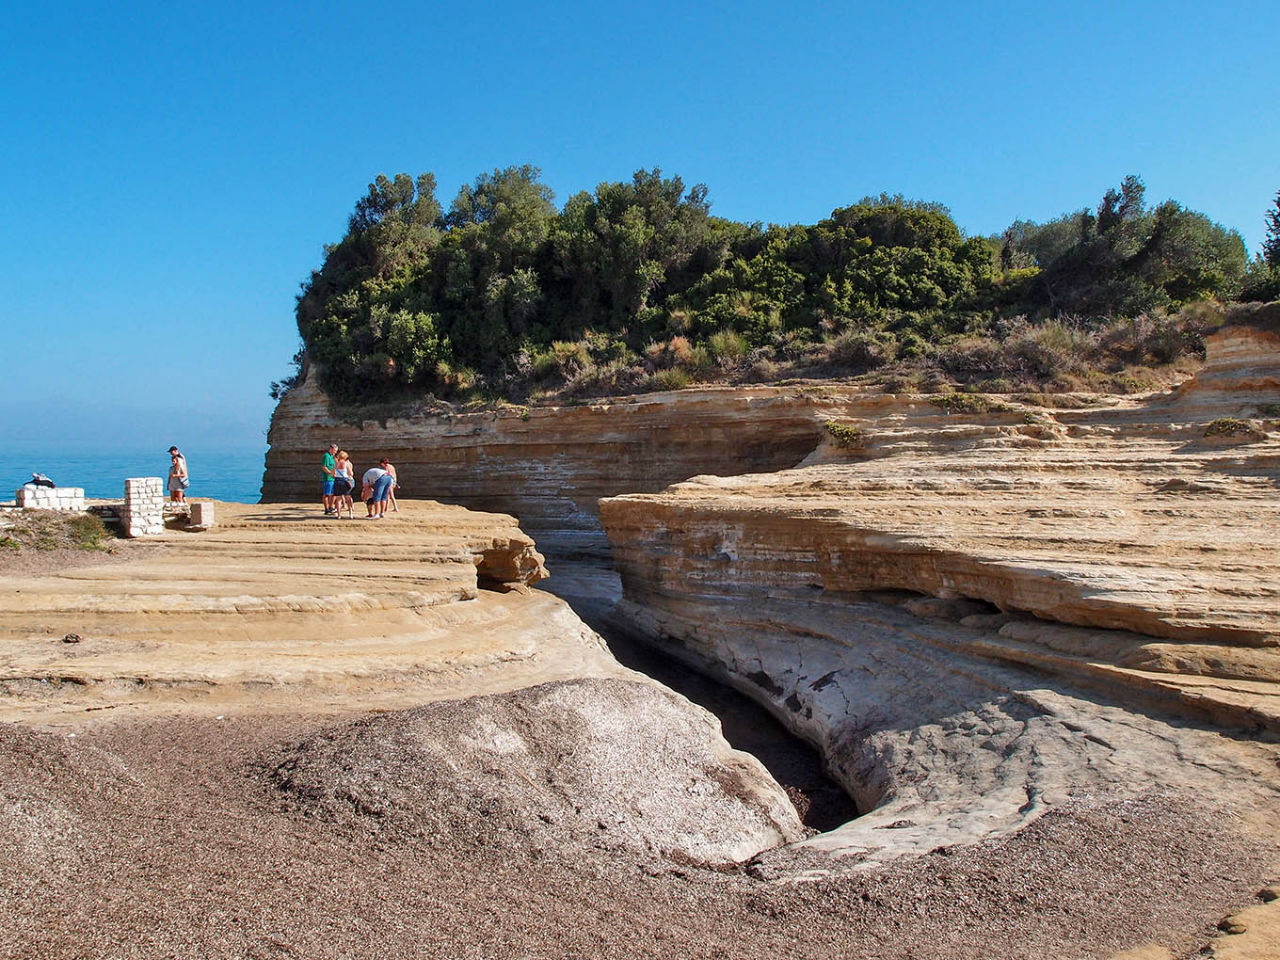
{"points": [[274, 607], [279, 611], [978, 616], [549, 465]]}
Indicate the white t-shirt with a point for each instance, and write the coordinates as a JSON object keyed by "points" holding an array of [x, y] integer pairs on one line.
{"points": [[372, 474]]}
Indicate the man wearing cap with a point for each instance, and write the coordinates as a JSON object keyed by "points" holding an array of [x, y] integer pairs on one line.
{"points": [[178, 479], [327, 469]]}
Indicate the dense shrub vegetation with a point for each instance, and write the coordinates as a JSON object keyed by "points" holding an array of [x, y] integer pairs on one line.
{"points": [[637, 286]]}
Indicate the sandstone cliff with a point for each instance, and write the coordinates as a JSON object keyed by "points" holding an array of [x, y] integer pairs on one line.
{"points": [[978, 615], [1036, 642], [548, 466]]}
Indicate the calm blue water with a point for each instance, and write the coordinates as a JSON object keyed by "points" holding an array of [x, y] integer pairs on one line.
{"points": [[219, 475]]}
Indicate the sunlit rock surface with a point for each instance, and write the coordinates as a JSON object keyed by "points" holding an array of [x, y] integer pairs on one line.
{"points": [[977, 616], [281, 611], [549, 465]]}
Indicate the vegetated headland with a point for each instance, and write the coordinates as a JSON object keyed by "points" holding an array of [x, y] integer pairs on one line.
{"points": [[638, 287], [1024, 609]]}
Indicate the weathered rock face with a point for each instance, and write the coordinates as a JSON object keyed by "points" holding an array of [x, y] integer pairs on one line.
{"points": [[602, 763], [548, 466], [1126, 553], [278, 606], [478, 692]]}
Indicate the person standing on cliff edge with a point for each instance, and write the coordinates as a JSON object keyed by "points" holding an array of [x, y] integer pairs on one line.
{"points": [[326, 468], [178, 478]]}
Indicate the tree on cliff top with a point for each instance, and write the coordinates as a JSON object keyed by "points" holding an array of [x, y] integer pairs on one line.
{"points": [[1129, 258], [1271, 246], [619, 250], [637, 277]]}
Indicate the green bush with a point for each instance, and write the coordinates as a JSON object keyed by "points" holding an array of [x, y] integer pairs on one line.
{"points": [[512, 291], [846, 436], [860, 350], [1229, 427], [727, 348], [968, 403], [673, 379]]}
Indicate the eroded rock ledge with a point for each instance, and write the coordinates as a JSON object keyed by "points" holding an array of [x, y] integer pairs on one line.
{"points": [[548, 466], [277, 607], [487, 716], [1080, 576]]}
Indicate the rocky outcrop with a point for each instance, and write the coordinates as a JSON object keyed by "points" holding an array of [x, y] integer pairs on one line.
{"points": [[607, 764], [1241, 372], [548, 466], [279, 605], [477, 692], [979, 615]]}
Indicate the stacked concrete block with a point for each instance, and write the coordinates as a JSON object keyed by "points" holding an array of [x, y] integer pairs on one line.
{"points": [[201, 514], [143, 511], [34, 497]]}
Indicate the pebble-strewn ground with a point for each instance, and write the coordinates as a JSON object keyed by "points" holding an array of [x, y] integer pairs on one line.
{"points": [[165, 838]]}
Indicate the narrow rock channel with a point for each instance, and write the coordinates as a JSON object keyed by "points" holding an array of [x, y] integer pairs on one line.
{"points": [[593, 590]]}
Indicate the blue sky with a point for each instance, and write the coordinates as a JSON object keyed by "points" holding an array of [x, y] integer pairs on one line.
{"points": [[168, 176]]}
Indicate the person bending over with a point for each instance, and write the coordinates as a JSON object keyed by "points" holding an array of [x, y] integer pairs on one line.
{"points": [[395, 483], [377, 489]]}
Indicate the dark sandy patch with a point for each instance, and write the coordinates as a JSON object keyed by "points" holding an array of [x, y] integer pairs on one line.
{"points": [[44, 563], [161, 839]]}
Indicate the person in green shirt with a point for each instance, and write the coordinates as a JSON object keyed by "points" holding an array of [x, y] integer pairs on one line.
{"points": [[326, 468]]}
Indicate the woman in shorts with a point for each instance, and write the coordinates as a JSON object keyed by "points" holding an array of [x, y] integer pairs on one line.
{"points": [[344, 479], [178, 478]]}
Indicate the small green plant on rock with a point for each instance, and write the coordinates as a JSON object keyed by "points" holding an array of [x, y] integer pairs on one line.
{"points": [[1229, 427], [968, 403], [674, 379], [846, 436], [39, 530], [87, 531]]}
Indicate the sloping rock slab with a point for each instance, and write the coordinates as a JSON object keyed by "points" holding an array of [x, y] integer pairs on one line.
{"points": [[607, 764]]}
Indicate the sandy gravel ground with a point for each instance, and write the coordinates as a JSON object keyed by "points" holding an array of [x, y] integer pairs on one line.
{"points": [[167, 838]]}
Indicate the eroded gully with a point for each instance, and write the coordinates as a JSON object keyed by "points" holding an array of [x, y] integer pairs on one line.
{"points": [[593, 590]]}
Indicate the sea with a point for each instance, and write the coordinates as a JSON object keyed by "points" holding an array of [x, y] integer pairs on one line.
{"points": [[229, 475]]}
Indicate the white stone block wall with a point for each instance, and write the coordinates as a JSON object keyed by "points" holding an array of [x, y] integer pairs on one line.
{"points": [[34, 497], [143, 511]]}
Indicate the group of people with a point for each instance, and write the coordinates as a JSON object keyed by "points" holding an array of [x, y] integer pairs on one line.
{"points": [[378, 485]]}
